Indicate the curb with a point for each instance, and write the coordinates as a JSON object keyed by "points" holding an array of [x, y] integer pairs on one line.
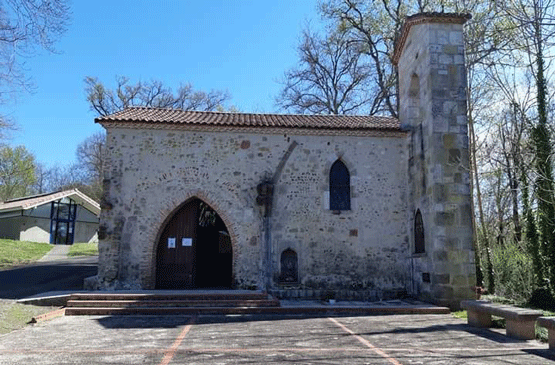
{"points": [[47, 316]]}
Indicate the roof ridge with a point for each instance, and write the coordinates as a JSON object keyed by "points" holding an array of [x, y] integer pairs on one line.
{"points": [[169, 116], [248, 113], [32, 196]]}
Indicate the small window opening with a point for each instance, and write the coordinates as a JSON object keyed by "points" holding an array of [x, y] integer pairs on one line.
{"points": [[340, 187], [289, 267], [419, 246]]}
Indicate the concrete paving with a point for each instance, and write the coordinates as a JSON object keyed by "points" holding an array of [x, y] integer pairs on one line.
{"points": [[256, 339], [58, 252]]}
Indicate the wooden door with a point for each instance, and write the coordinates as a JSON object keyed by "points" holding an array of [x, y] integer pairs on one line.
{"points": [[176, 249]]}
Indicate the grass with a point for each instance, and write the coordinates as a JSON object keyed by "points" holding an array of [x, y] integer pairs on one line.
{"points": [[13, 253], [15, 315], [83, 249]]}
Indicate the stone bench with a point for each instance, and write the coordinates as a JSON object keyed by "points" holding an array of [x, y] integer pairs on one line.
{"points": [[549, 323], [520, 321]]}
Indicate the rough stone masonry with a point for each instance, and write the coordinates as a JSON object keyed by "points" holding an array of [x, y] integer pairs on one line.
{"points": [[400, 225]]}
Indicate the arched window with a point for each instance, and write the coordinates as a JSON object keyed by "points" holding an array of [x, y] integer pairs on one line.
{"points": [[289, 267], [419, 246], [340, 187]]}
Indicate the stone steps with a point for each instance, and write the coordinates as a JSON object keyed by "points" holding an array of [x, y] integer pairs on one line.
{"points": [[174, 303], [170, 303], [228, 302], [227, 295]]}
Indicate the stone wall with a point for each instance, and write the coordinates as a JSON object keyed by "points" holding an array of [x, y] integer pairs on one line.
{"points": [[432, 80], [152, 172]]}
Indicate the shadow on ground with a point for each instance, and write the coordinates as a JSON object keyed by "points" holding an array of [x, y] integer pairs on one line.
{"points": [[39, 278]]}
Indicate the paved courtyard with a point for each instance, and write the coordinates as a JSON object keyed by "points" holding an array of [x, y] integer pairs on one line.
{"points": [[393, 339]]}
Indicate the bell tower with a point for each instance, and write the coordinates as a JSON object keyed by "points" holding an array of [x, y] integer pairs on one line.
{"points": [[429, 56]]}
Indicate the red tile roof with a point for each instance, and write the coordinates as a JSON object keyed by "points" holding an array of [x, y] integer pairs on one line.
{"points": [[181, 117]]}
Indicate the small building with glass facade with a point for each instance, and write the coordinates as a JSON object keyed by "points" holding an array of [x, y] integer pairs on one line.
{"points": [[62, 217]]}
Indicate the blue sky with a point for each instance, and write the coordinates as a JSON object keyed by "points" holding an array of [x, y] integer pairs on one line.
{"points": [[242, 46]]}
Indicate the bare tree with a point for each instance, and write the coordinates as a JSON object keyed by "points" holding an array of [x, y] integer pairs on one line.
{"points": [[332, 77], [63, 177], [154, 93], [534, 22], [26, 26], [42, 177], [90, 161], [374, 26]]}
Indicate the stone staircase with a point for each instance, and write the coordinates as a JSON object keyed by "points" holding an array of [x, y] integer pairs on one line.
{"points": [[170, 303]]}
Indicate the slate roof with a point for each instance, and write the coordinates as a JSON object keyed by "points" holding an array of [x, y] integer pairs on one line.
{"points": [[200, 118], [30, 202]]}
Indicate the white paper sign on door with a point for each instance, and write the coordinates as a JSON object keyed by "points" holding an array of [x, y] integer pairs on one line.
{"points": [[171, 242], [186, 242]]}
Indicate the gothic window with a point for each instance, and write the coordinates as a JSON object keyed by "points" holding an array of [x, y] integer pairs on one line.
{"points": [[419, 246], [289, 267], [340, 187]]}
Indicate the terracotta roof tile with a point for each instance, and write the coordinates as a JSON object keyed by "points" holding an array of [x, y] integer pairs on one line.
{"points": [[177, 116]]}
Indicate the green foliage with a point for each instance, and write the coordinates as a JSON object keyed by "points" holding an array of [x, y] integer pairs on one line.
{"points": [[513, 271], [14, 253], [83, 249], [532, 239], [544, 184], [17, 172]]}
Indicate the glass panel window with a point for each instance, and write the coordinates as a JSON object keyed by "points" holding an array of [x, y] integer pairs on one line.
{"points": [[63, 211], [62, 224]]}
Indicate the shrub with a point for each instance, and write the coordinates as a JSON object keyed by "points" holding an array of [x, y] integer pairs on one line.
{"points": [[513, 271]]}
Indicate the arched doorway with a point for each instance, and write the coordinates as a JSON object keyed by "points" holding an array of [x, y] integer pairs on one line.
{"points": [[194, 250]]}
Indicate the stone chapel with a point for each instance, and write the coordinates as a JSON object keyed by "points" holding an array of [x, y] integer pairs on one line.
{"points": [[360, 207]]}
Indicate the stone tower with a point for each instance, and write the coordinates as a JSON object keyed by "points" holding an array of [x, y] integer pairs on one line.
{"points": [[433, 105]]}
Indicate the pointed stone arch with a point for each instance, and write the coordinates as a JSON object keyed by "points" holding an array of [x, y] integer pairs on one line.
{"points": [[160, 220]]}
